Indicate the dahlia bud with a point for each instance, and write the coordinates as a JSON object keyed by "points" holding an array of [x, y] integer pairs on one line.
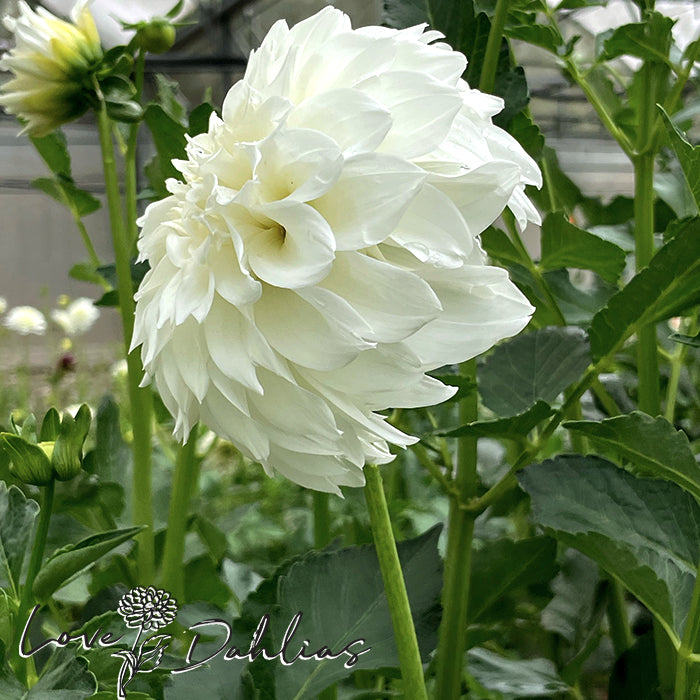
{"points": [[156, 36], [52, 62], [57, 454]]}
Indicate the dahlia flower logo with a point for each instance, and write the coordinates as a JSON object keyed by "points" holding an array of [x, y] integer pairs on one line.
{"points": [[145, 609], [320, 253]]}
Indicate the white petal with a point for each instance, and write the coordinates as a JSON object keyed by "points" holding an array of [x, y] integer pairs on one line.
{"points": [[298, 164], [394, 302], [303, 334], [481, 306], [355, 121], [481, 194], [422, 110], [434, 230], [297, 253], [369, 199]]}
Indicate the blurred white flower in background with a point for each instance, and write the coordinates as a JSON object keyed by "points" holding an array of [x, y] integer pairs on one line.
{"points": [[3, 305], [50, 62], [25, 320], [109, 15], [120, 370], [321, 254], [77, 318]]}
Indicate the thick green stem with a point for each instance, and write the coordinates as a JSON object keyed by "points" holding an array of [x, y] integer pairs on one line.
{"points": [[647, 355], [458, 558], [25, 667], [620, 631], [140, 399], [184, 487], [689, 644], [322, 519], [130, 178], [394, 587], [493, 47]]}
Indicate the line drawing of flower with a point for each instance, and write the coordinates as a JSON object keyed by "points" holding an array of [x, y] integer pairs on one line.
{"points": [[144, 609]]}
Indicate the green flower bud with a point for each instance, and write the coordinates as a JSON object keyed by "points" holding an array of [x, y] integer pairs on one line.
{"points": [[156, 36], [29, 462], [59, 453]]}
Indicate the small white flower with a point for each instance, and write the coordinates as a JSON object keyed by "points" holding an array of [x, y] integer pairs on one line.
{"points": [[25, 320], [51, 62], [3, 305], [77, 318], [321, 253], [120, 370]]}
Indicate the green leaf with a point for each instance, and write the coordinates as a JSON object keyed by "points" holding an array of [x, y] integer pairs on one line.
{"points": [[645, 532], [202, 582], [558, 190], [169, 139], [17, 516], [66, 193], [531, 367], [199, 118], [53, 150], [497, 244], [668, 286], [65, 677], [465, 386], [511, 85], [502, 567], [10, 687], [689, 157], [649, 40], [85, 272], [652, 445], [566, 245], [692, 340], [342, 599], [543, 35], [673, 189], [73, 558], [533, 678], [515, 426], [528, 134]]}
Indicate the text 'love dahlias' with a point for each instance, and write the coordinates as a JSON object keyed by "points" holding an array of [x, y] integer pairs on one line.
{"points": [[51, 62], [321, 253]]}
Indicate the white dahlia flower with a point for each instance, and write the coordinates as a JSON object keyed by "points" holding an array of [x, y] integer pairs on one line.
{"points": [[77, 318], [51, 62], [321, 252], [25, 320]]}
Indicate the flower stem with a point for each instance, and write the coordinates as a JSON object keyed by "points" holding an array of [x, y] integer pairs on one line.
{"points": [[458, 559], [394, 586], [493, 47], [25, 667], [140, 399], [130, 178], [647, 356], [184, 486], [688, 643], [620, 631], [322, 519]]}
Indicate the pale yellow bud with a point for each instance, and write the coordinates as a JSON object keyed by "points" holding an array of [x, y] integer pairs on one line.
{"points": [[51, 62]]}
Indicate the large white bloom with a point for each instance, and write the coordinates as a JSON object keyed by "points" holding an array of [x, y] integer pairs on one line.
{"points": [[3, 305], [77, 318], [25, 320], [321, 253], [51, 62]]}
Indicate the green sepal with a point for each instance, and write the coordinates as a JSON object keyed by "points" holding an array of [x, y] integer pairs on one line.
{"points": [[28, 462], [67, 453]]}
